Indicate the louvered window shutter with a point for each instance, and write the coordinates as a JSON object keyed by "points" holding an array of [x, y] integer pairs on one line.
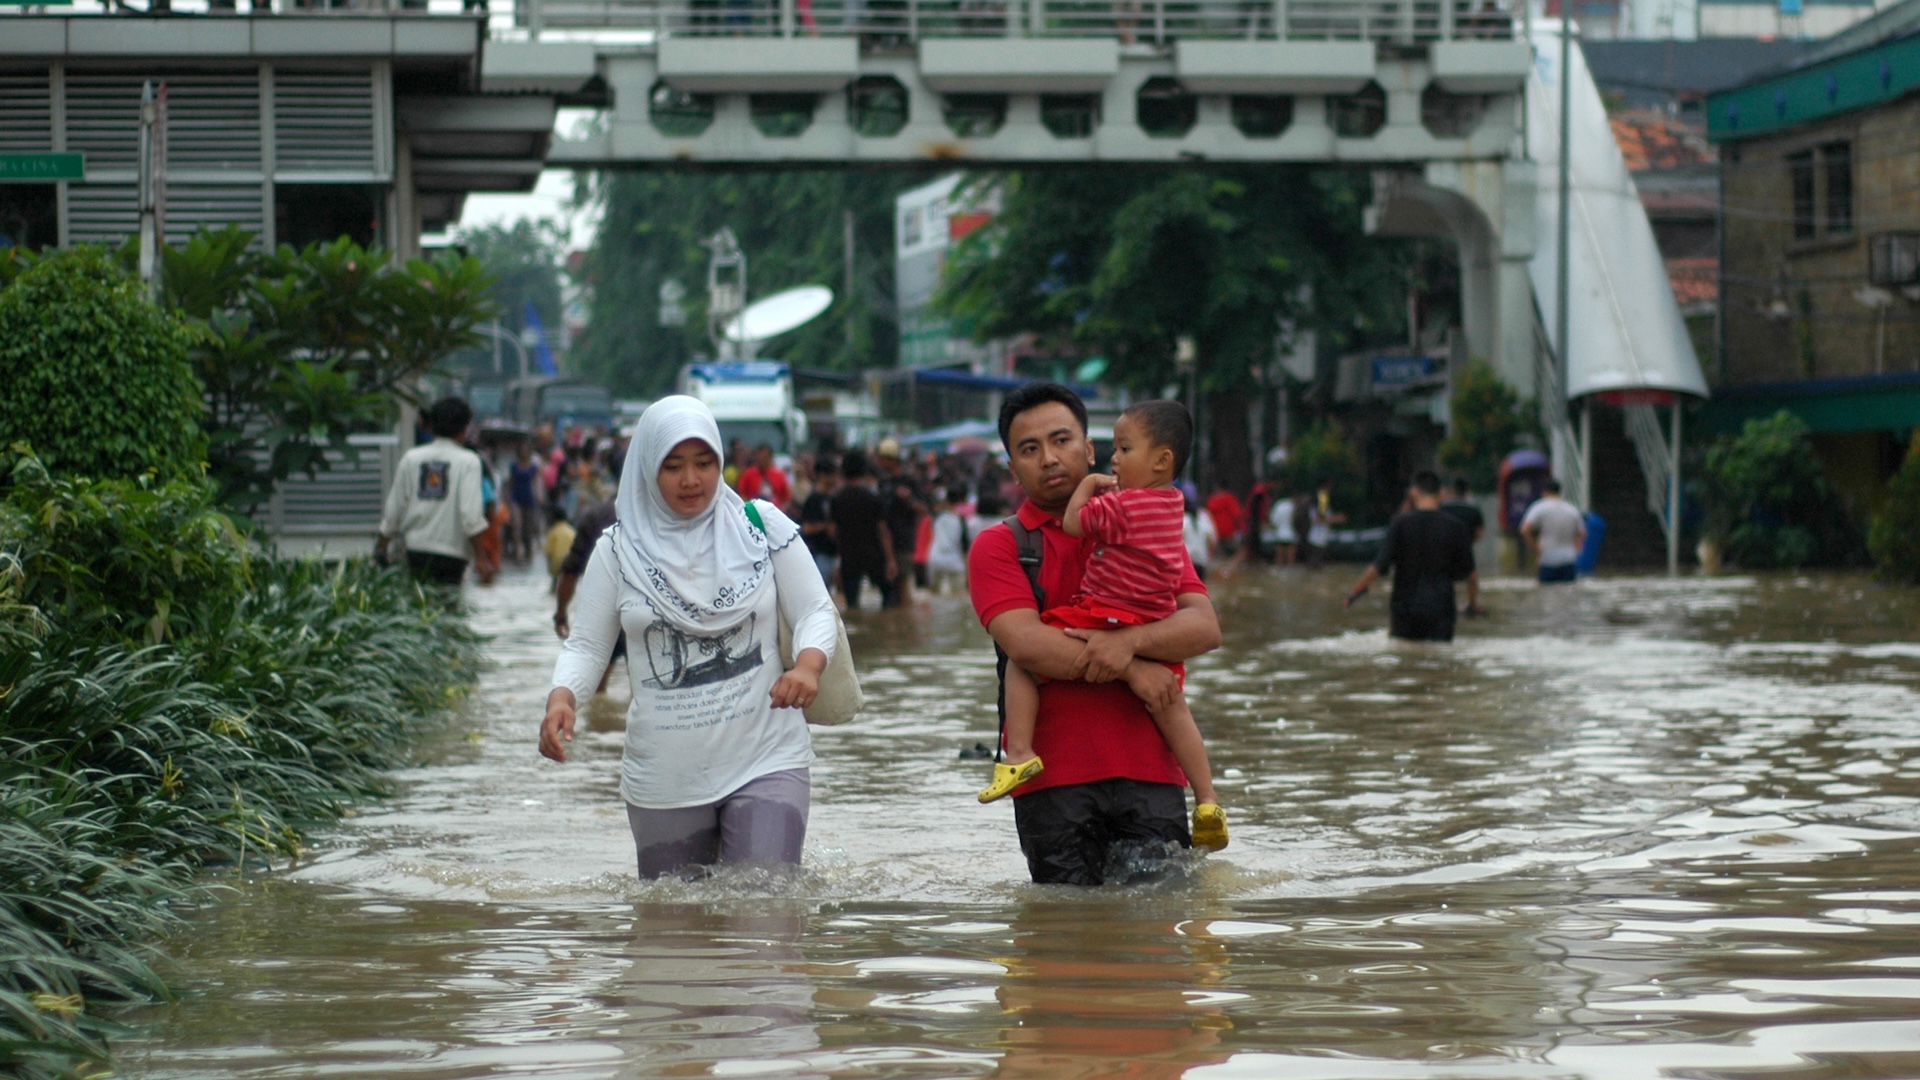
{"points": [[26, 112], [323, 124]]}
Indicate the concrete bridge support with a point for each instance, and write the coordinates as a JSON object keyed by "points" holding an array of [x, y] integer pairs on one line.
{"points": [[1487, 209]]}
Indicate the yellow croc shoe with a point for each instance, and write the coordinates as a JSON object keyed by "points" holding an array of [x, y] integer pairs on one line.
{"points": [[1007, 777], [1209, 826]]}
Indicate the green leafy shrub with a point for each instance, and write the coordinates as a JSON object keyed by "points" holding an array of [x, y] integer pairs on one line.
{"points": [[125, 556], [1322, 455], [298, 349], [93, 374], [1894, 538], [282, 690], [1490, 421], [1768, 502]]}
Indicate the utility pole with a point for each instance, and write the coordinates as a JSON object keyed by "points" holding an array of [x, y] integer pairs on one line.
{"points": [[1562, 265], [846, 281], [153, 184]]}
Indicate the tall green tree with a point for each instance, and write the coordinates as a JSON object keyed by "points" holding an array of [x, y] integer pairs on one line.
{"points": [[791, 226], [527, 263], [1127, 262]]}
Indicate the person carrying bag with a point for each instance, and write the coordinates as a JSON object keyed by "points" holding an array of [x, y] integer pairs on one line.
{"points": [[715, 768]]}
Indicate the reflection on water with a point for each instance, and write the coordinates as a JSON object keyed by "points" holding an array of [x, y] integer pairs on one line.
{"points": [[1636, 828]]}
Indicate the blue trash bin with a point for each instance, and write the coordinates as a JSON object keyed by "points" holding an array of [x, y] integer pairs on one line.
{"points": [[1589, 556]]}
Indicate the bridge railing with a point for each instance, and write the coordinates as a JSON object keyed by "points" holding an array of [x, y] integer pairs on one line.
{"points": [[881, 23]]}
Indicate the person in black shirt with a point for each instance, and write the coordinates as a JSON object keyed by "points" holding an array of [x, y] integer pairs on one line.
{"points": [[816, 520], [1426, 551], [1461, 506], [903, 504], [860, 530]]}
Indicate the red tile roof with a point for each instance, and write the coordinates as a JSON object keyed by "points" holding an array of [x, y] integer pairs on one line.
{"points": [[1696, 281], [1652, 140]]}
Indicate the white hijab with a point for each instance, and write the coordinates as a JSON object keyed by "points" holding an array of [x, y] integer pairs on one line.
{"points": [[700, 573]]}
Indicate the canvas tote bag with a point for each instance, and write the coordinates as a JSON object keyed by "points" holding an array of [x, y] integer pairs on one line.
{"points": [[840, 698]]}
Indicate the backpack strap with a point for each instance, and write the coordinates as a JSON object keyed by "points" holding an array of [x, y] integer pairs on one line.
{"points": [[753, 515], [1030, 546]]}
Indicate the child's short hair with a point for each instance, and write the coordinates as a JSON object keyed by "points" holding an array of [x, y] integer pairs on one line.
{"points": [[556, 514], [957, 494], [1168, 424]]}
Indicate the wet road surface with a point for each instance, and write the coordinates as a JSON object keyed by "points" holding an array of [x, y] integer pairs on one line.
{"points": [[1634, 828]]}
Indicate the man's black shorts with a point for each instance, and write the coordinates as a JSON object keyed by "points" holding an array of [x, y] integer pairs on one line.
{"points": [[1087, 834], [435, 569]]}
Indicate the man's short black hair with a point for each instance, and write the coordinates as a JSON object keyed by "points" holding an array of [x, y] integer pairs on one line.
{"points": [[1168, 424], [957, 494], [1426, 482], [448, 418], [1461, 487], [826, 466], [1035, 394], [1553, 487], [854, 465]]}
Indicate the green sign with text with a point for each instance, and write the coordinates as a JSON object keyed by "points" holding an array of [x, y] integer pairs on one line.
{"points": [[41, 168]]}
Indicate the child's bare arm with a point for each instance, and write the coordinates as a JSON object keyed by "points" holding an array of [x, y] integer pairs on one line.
{"points": [[1094, 484]]}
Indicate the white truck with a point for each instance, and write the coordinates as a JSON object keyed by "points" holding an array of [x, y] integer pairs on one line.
{"points": [[752, 400]]}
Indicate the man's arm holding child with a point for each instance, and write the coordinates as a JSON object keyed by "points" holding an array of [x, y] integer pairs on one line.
{"points": [[1192, 629], [1102, 655]]}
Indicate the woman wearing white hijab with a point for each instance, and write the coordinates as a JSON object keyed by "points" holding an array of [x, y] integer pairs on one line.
{"points": [[717, 751]]}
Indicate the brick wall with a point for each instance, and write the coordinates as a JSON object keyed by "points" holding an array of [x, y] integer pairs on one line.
{"points": [[1818, 328]]}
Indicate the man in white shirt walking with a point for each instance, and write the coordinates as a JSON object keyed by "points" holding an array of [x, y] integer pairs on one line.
{"points": [[1556, 530], [435, 500]]}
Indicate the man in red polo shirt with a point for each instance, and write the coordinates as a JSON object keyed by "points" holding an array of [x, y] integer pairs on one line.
{"points": [[1117, 799]]}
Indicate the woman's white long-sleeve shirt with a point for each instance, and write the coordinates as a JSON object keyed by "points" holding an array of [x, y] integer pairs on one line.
{"points": [[701, 724]]}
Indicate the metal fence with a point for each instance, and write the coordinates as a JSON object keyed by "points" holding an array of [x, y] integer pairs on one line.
{"points": [[887, 22]]}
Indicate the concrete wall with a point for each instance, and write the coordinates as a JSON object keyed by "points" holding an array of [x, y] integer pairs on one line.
{"points": [[1825, 331]]}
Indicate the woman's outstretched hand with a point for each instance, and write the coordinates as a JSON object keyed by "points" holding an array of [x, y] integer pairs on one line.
{"points": [[556, 731]]}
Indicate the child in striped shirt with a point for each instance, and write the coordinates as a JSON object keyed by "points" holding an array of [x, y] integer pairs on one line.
{"points": [[1137, 520]]}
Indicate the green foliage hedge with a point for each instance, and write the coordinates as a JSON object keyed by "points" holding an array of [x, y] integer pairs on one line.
{"points": [[94, 374], [1769, 503], [1490, 421], [1894, 537], [298, 349], [1322, 455], [127, 768]]}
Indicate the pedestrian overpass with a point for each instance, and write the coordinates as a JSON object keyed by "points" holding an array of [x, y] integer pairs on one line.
{"points": [[425, 105]]}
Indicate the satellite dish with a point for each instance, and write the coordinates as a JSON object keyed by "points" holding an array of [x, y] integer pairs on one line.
{"points": [[779, 313]]}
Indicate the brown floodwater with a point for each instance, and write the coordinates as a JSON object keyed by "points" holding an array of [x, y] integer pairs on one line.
{"points": [[1632, 828]]}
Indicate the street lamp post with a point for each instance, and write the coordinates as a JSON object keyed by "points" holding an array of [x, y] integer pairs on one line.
{"points": [[494, 331]]}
